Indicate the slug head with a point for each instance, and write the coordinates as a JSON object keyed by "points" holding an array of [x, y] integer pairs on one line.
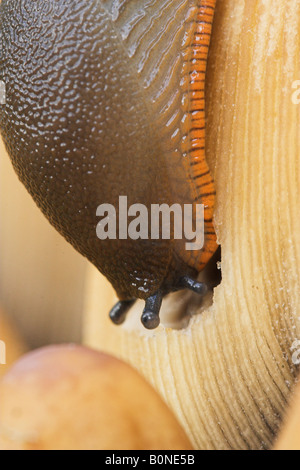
{"points": [[97, 107], [77, 131]]}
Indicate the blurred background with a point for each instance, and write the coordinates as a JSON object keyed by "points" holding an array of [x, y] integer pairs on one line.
{"points": [[42, 278]]}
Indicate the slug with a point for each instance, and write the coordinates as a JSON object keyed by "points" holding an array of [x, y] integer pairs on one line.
{"points": [[106, 98]]}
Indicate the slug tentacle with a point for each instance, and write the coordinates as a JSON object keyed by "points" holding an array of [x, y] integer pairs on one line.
{"points": [[119, 311], [150, 316]]}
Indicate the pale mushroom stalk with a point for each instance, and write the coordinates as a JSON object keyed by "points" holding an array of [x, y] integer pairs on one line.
{"points": [[229, 373]]}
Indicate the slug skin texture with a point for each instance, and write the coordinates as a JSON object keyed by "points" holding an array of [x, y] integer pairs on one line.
{"points": [[106, 99]]}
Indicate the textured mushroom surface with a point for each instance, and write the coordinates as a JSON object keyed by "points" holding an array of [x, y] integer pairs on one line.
{"points": [[228, 374]]}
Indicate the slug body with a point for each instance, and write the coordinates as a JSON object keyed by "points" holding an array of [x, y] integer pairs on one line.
{"points": [[105, 98]]}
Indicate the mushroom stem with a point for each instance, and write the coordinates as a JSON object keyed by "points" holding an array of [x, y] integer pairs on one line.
{"points": [[229, 374]]}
